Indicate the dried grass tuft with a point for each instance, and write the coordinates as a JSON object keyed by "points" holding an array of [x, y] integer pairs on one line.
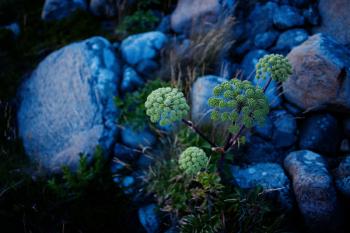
{"points": [[199, 55]]}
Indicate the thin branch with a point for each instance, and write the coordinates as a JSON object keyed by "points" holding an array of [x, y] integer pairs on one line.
{"points": [[196, 130]]}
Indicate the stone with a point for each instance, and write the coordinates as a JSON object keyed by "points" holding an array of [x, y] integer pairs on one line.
{"points": [[164, 25], [149, 218], [291, 38], [292, 109], [320, 133], [131, 80], [335, 19], [124, 153], [272, 92], [117, 167], [202, 90], [140, 138], [312, 15], [127, 184], [342, 177], [138, 48], [269, 176], [242, 48], [147, 68], [192, 15], [266, 39], [249, 62], [285, 17], [104, 8], [261, 18], [265, 131], [284, 129], [144, 162], [59, 9], [260, 150], [67, 105], [320, 77], [314, 191], [14, 28]]}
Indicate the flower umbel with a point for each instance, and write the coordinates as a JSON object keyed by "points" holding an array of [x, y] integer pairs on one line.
{"points": [[275, 65], [193, 160], [240, 103], [166, 105]]}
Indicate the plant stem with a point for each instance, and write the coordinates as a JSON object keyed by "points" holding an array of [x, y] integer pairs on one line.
{"points": [[196, 130], [234, 138]]}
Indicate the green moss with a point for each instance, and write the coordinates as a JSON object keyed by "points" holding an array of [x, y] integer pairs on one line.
{"points": [[138, 22]]}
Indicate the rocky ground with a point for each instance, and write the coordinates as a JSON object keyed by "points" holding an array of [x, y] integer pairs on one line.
{"points": [[66, 104]]}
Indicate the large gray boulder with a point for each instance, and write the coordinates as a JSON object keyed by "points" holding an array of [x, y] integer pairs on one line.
{"points": [[320, 78], [59, 9], [314, 191], [67, 104]]}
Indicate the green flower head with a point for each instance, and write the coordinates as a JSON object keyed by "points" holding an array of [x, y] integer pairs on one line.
{"points": [[193, 160], [240, 103], [166, 105], [275, 65]]}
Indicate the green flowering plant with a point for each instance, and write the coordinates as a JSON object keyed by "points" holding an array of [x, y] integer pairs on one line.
{"points": [[239, 103], [166, 105], [275, 65], [193, 160]]}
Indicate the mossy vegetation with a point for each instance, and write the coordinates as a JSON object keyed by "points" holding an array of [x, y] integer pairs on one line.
{"points": [[144, 16], [132, 105], [203, 204]]}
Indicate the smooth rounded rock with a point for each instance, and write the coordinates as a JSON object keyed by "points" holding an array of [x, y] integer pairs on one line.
{"points": [[141, 47], [59, 9], [284, 129], [314, 191], [269, 176], [287, 17], [131, 80], [149, 218], [342, 177], [320, 133], [320, 78], [291, 38], [202, 90], [260, 150], [67, 105], [192, 15], [266, 39], [261, 18], [137, 138]]}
